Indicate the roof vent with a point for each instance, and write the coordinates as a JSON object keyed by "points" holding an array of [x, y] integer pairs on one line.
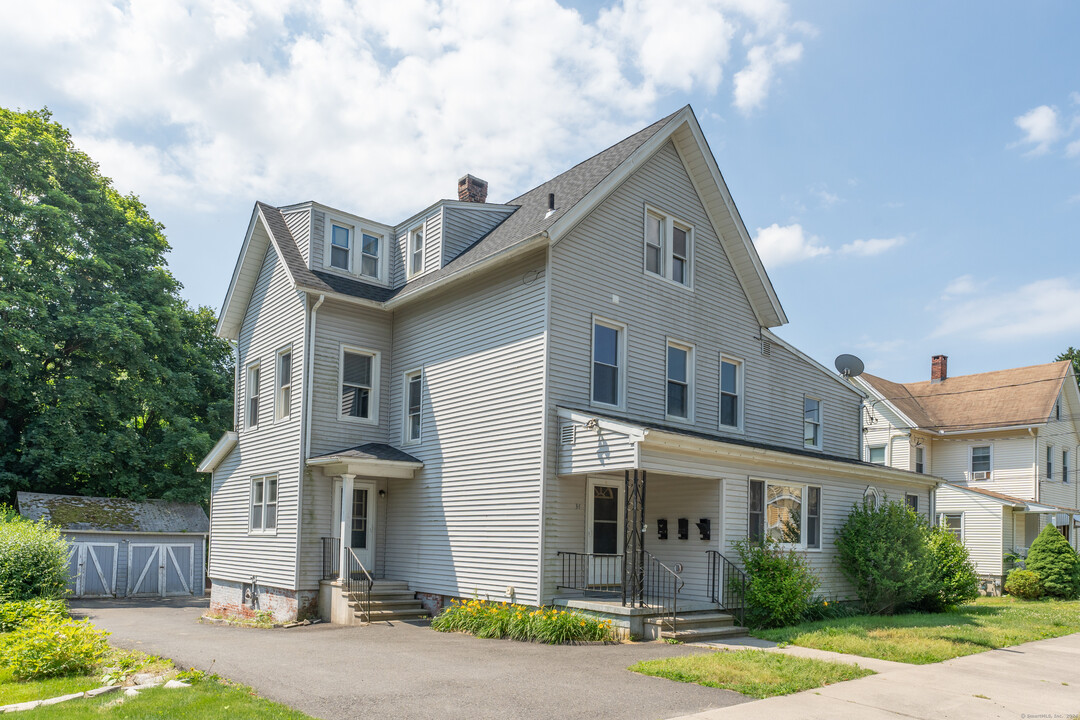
{"points": [[766, 347], [568, 434]]}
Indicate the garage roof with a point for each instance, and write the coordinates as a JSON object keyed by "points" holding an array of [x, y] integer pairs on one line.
{"points": [[97, 514]]}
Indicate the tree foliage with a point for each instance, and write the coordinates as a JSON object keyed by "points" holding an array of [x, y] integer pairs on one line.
{"points": [[33, 561], [1053, 559], [955, 580], [110, 384], [1073, 355]]}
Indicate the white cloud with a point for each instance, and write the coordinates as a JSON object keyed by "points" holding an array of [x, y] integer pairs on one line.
{"points": [[828, 199], [1041, 128], [1039, 309], [377, 107], [1072, 149], [872, 247], [781, 245], [963, 285]]}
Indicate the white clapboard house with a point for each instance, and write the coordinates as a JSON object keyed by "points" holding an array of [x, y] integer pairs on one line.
{"points": [[574, 396], [1005, 442]]}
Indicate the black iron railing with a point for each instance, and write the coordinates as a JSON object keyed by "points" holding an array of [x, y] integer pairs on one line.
{"points": [[727, 585], [591, 573], [661, 589], [358, 583], [331, 558]]}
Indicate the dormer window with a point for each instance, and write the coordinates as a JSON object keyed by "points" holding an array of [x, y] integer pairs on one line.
{"points": [[340, 245], [668, 245], [356, 247], [369, 255], [416, 251]]}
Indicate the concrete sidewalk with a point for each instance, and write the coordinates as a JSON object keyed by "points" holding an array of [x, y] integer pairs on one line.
{"points": [[752, 643], [1035, 680]]}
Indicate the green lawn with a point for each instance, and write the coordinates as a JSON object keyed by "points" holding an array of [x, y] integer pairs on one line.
{"points": [[755, 673], [17, 692], [932, 637]]}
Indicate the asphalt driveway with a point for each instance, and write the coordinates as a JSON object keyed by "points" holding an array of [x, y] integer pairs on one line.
{"points": [[408, 671]]}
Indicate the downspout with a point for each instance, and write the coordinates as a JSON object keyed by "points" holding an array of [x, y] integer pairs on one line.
{"points": [[305, 431]]}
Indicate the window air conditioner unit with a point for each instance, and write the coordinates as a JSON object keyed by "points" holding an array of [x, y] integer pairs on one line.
{"points": [[981, 475]]}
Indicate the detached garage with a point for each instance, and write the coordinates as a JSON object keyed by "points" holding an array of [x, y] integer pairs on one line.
{"points": [[124, 548]]}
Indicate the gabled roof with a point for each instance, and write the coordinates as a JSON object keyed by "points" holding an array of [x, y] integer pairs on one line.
{"points": [[1019, 397], [97, 514]]}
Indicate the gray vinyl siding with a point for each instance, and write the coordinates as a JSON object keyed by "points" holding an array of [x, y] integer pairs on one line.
{"points": [[318, 235], [463, 226], [432, 222], [124, 577], [469, 521], [595, 451], [299, 223], [274, 319], [336, 325]]}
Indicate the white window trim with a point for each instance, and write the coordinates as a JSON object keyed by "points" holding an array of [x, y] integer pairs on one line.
{"points": [[252, 530], [963, 523], [915, 459], [971, 450], [407, 376], [821, 423], [801, 545], [669, 220], [1048, 468], [690, 372], [278, 417], [373, 405], [1066, 457], [623, 333], [252, 366], [740, 385], [357, 230], [421, 228], [912, 495], [884, 454]]}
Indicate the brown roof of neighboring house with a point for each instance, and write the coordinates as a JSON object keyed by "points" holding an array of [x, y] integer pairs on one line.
{"points": [[1002, 398], [1012, 499]]}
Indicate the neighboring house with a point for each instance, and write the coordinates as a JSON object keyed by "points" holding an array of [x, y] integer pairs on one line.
{"points": [[119, 547], [1006, 442], [460, 401]]}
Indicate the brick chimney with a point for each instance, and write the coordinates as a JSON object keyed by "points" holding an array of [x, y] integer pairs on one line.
{"points": [[472, 189], [939, 368]]}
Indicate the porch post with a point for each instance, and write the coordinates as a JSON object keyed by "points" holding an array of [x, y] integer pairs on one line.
{"points": [[345, 526]]}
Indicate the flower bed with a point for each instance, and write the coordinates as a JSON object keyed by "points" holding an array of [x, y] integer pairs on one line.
{"points": [[521, 622]]}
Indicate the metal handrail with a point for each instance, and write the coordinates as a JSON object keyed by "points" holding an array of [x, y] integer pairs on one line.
{"points": [[727, 585], [662, 586], [598, 573], [358, 580], [331, 565]]}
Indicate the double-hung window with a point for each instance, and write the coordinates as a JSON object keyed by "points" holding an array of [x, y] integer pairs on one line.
{"points": [[253, 396], [953, 523], [912, 501], [369, 254], [680, 380], [876, 454], [668, 247], [358, 382], [785, 512], [731, 382], [264, 503], [340, 247], [920, 459], [1064, 466], [283, 388], [812, 423], [608, 362], [414, 405], [1049, 462], [416, 251], [981, 462]]}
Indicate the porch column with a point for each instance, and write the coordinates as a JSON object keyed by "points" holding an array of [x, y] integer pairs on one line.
{"points": [[345, 527]]}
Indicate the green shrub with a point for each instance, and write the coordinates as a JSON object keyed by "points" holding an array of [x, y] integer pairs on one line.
{"points": [[1024, 584], [8, 513], [520, 622], [955, 581], [33, 561], [1056, 563], [780, 584], [19, 612], [53, 648], [883, 552]]}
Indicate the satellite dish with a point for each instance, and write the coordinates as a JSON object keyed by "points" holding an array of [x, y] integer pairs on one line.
{"points": [[849, 365]]}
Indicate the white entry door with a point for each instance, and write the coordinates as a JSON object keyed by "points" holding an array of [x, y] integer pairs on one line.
{"points": [[604, 533], [92, 569], [361, 530], [161, 569]]}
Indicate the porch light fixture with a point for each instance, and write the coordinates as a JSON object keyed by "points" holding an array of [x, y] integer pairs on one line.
{"points": [[382, 493]]}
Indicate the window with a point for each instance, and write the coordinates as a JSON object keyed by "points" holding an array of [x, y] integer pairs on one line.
{"points": [[912, 501], [954, 523], [680, 370], [283, 393], [416, 251], [253, 396], [756, 511], [1057, 410], [730, 393], [607, 363], [369, 255], [920, 459], [812, 423], [786, 513], [340, 246], [1049, 462], [876, 454], [981, 462], [668, 259], [813, 517], [358, 382], [414, 397], [1064, 466], [264, 503]]}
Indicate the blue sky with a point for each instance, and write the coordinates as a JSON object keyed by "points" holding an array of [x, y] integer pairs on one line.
{"points": [[909, 171]]}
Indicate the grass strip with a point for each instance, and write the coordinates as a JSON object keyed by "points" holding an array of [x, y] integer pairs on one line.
{"points": [[13, 691]]}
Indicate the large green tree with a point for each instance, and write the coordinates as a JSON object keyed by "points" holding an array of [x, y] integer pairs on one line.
{"points": [[1073, 355], [110, 384]]}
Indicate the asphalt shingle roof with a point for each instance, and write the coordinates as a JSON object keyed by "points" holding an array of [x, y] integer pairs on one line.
{"points": [[75, 512], [372, 451]]}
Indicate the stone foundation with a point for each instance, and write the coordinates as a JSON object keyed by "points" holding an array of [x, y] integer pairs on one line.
{"points": [[433, 602], [244, 600]]}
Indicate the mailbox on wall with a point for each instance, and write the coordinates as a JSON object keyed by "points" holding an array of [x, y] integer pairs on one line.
{"points": [[661, 529], [684, 529], [704, 526]]}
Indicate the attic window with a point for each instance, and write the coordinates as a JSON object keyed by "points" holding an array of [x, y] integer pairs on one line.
{"points": [[416, 251], [340, 243], [667, 247]]}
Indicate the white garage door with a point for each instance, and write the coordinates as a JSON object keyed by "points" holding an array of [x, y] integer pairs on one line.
{"points": [[92, 569], [161, 569]]}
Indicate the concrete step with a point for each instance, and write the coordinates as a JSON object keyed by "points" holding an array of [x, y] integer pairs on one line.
{"points": [[399, 585], [695, 619], [390, 615], [384, 596], [703, 634], [387, 604]]}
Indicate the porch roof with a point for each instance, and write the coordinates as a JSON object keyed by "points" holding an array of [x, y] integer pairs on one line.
{"points": [[369, 460], [1030, 506]]}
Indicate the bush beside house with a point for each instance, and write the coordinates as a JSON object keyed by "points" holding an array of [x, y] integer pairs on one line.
{"points": [[1024, 584], [780, 584], [33, 559], [955, 581], [1056, 564]]}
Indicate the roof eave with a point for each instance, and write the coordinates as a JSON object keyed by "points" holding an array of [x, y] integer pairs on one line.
{"points": [[219, 452]]}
